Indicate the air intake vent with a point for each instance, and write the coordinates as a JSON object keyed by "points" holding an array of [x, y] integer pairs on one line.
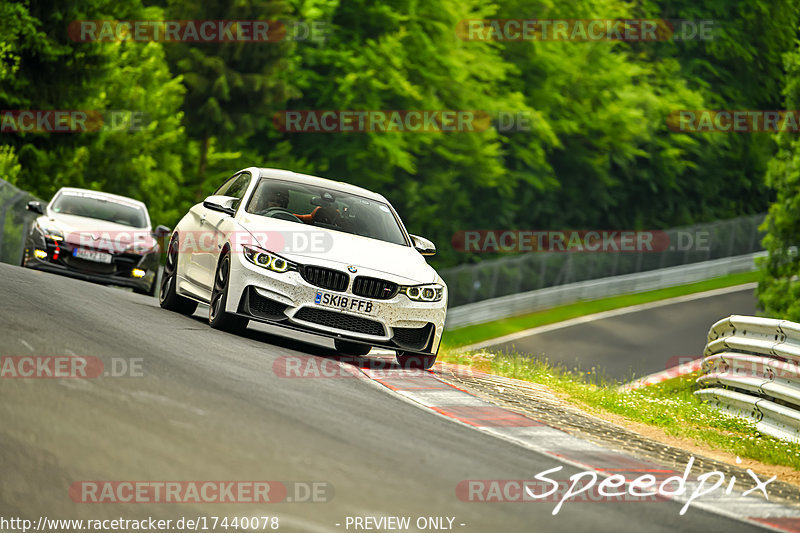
{"points": [[378, 289], [413, 338], [326, 278], [265, 307], [336, 320]]}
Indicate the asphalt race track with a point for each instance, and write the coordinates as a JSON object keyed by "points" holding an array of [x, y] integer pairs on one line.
{"points": [[210, 407], [636, 344]]}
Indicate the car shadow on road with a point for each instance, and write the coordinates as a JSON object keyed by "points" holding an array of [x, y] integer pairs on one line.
{"points": [[368, 362]]}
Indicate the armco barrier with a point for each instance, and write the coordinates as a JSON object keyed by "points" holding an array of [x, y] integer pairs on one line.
{"points": [[751, 369], [15, 220], [529, 302]]}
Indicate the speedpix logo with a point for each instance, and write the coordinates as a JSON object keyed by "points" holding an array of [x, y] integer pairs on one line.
{"points": [[592, 486]]}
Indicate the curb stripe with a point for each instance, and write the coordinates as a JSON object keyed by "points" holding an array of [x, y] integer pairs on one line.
{"points": [[445, 399]]}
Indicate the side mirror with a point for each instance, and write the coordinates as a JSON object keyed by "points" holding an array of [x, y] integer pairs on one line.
{"points": [[36, 207], [223, 204], [161, 231], [423, 245]]}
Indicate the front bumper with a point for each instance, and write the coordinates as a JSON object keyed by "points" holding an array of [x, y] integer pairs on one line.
{"points": [[286, 299], [119, 272]]}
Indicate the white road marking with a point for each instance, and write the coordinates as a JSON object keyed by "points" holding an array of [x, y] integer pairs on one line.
{"points": [[26, 344]]}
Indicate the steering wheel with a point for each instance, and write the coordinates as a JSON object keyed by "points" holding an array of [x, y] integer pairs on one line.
{"points": [[280, 213], [329, 216]]}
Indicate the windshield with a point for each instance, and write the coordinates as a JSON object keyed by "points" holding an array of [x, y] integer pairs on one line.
{"points": [[84, 205], [326, 208]]}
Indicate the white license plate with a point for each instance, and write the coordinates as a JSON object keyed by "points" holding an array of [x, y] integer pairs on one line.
{"points": [[344, 302], [91, 255]]}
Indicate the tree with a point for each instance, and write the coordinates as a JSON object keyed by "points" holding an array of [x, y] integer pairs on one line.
{"points": [[779, 287], [112, 80], [232, 87], [405, 55]]}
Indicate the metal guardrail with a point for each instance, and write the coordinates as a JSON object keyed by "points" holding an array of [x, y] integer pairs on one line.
{"points": [[531, 301], [751, 369], [15, 220]]}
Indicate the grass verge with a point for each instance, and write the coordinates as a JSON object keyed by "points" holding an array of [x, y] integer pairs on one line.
{"points": [[670, 406], [490, 330]]}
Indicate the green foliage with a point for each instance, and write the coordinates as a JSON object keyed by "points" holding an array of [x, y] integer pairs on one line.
{"points": [[397, 56], [779, 288], [669, 406], [740, 68], [597, 154], [122, 81], [232, 88], [9, 164]]}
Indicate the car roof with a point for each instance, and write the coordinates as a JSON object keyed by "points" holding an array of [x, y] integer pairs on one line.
{"points": [[306, 179], [123, 199]]}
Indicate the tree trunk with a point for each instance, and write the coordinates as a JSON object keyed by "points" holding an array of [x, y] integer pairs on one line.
{"points": [[201, 168]]}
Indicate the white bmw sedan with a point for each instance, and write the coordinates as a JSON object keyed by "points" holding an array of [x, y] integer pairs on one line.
{"points": [[311, 254]]}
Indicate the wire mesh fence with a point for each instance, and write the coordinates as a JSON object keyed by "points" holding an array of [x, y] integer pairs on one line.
{"points": [[15, 220], [531, 271]]}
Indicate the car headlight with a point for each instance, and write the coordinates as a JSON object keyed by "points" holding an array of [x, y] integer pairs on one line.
{"points": [[51, 231], [423, 293], [267, 259]]}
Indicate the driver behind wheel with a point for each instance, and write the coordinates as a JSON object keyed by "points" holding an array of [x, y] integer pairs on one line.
{"points": [[278, 197], [270, 197]]}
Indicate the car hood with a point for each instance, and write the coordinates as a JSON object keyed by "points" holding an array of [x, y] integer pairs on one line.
{"points": [[319, 246], [95, 233]]}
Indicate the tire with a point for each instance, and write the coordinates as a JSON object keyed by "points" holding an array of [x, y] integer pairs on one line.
{"points": [[218, 318], [351, 348], [167, 297], [410, 360]]}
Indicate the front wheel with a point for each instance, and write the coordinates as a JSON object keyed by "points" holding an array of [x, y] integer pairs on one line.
{"points": [[218, 318], [415, 360], [167, 297], [351, 348]]}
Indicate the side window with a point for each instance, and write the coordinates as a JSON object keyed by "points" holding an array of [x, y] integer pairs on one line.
{"points": [[222, 191], [239, 187]]}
